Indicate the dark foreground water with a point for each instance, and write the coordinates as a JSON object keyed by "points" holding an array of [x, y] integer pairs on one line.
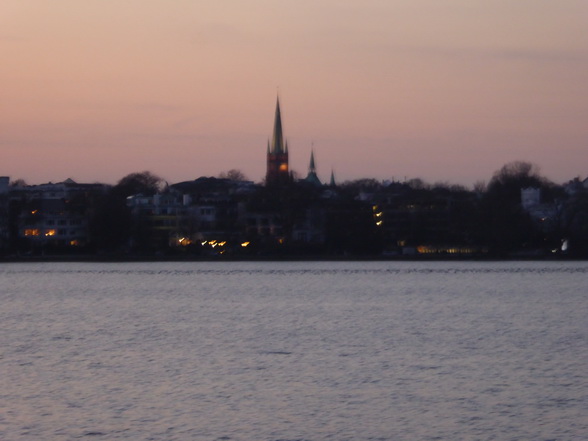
{"points": [[294, 351]]}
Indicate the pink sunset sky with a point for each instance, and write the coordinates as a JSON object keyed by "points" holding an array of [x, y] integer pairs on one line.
{"points": [[442, 90]]}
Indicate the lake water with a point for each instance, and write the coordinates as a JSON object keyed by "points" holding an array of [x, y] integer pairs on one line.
{"points": [[310, 351]]}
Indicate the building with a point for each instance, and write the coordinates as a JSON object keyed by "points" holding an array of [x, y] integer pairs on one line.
{"points": [[278, 172], [530, 197], [55, 215], [312, 177]]}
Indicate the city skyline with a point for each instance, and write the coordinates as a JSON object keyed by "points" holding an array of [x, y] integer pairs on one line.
{"points": [[444, 92]]}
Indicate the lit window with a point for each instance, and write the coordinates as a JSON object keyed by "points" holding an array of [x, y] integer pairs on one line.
{"points": [[184, 241], [50, 233], [31, 232]]}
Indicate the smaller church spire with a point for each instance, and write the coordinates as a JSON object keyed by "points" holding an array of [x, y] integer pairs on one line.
{"points": [[332, 183], [312, 167], [312, 177]]}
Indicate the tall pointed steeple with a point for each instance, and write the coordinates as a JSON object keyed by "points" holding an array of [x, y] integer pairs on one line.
{"points": [[277, 154], [277, 145]]}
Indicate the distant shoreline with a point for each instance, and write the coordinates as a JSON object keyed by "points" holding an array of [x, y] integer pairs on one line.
{"points": [[154, 259]]}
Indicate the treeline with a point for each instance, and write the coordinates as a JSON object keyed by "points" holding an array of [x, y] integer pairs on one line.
{"points": [[518, 213]]}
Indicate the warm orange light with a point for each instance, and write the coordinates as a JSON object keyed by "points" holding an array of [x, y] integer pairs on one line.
{"points": [[283, 167], [184, 241], [50, 232], [31, 232]]}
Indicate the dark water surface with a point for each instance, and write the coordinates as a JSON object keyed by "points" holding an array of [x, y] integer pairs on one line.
{"points": [[294, 351]]}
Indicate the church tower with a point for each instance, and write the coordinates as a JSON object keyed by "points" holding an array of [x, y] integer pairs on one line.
{"points": [[277, 154], [312, 178]]}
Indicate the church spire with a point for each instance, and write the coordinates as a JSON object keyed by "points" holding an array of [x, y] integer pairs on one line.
{"points": [[312, 167], [277, 153], [277, 145], [312, 178]]}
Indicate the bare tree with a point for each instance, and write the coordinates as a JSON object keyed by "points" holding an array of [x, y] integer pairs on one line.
{"points": [[418, 184], [233, 175], [521, 172], [145, 182], [480, 187], [18, 183]]}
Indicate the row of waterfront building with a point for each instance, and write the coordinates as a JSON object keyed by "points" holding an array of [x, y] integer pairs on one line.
{"points": [[212, 216]]}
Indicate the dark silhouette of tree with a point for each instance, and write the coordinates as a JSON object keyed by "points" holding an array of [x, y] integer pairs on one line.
{"points": [[364, 185], [351, 230], [18, 183], [575, 225], [506, 226], [417, 184], [112, 224], [507, 182], [234, 175], [145, 183], [480, 187]]}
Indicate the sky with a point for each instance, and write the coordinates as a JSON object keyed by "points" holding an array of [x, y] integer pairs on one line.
{"points": [[447, 91]]}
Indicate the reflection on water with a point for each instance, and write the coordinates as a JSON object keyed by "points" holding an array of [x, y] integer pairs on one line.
{"points": [[294, 351]]}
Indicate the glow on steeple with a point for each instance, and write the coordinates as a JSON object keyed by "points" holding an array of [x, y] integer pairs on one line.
{"points": [[277, 153]]}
